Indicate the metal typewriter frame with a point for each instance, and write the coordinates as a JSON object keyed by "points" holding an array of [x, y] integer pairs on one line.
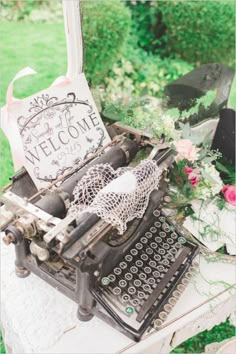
{"points": [[86, 270]]}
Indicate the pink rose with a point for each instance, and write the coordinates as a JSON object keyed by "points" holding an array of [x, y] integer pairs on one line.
{"points": [[186, 150], [229, 192], [193, 176]]}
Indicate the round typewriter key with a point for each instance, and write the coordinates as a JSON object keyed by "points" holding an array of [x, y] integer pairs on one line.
{"points": [[185, 281], [139, 263], [160, 268], [192, 269], [156, 274], [147, 270], [182, 240], [173, 250], [123, 265], [151, 281], [142, 276], [137, 283], [163, 315], [144, 240], [153, 230], [178, 245], [165, 262], [125, 298], [188, 275], [170, 256], [166, 246], [146, 288], [148, 234], [128, 258], [122, 283], [161, 251], [117, 271], [156, 213], [112, 277], [141, 295], [129, 310], [144, 257], [181, 287], [131, 290], [176, 294], [116, 291], [162, 234], [157, 224], [149, 251], [139, 246], [153, 245], [134, 252], [157, 257], [174, 235], [134, 269], [167, 308], [158, 239], [135, 302], [105, 281], [157, 323], [166, 228], [128, 276], [152, 264], [172, 301], [170, 241], [162, 219]]}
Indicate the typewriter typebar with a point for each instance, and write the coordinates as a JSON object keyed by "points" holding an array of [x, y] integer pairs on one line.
{"points": [[131, 280]]}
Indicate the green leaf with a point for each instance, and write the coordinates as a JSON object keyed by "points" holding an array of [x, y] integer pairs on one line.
{"points": [[222, 168]]}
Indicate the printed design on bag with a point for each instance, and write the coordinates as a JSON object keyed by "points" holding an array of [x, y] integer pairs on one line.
{"points": [[58, 133]]}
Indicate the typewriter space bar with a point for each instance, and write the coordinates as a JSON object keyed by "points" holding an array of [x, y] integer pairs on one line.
{"points": [[162, 284]]}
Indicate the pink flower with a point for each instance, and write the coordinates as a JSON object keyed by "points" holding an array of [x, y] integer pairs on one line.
{"points": [[229, 192], [193, 176], [186, 150]]}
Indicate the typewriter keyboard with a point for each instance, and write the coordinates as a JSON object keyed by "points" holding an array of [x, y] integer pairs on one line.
{"points": [[151, 275]]}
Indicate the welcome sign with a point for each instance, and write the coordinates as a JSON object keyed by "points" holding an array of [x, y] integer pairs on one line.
{"points": [[59, 127]]}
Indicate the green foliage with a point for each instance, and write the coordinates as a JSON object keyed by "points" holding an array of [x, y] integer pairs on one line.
{"points": [[148, 25], [197, 344], [31, 10], [2, 347], [200, 31], [142, 73], [105, 27], [197, 31]]}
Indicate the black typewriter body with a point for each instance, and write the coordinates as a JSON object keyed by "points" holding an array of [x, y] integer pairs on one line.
{"points": [[130, 281]]}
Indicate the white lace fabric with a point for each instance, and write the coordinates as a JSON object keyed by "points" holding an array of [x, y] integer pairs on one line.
{"points": [[116, 196]]}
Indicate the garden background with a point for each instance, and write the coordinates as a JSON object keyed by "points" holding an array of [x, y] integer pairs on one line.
{"points": [[132, 49]]}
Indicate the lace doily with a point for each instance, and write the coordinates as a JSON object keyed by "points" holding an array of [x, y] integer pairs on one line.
{"points": [[116, 196]]}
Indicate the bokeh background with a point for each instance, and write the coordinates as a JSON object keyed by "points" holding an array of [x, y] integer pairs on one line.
{"points": [[132, 49]]}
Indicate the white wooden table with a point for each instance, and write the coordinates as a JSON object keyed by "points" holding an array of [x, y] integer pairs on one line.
{"points": [[35, 318]]}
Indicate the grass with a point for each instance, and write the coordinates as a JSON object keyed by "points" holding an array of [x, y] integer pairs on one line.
{"points": [[42, 46]]}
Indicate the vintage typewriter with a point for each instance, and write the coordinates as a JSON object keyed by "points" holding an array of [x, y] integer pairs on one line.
{"points": [[130, 280]]}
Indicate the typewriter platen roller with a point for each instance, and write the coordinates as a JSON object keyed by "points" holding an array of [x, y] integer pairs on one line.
{"points": [[132, 280]]}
